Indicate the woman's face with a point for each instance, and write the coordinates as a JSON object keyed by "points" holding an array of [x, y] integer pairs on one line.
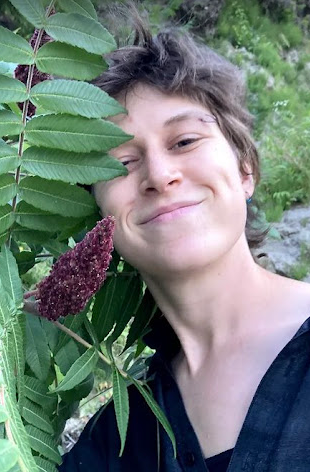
{"points": [[183, 203]]}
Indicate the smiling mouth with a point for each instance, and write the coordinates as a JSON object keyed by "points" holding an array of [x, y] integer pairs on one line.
{"points": [[177, 212]]}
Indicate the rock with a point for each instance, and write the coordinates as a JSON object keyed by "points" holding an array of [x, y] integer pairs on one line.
{"points": [[293, 247], [72, 431], [292, 56], [271, 82]]}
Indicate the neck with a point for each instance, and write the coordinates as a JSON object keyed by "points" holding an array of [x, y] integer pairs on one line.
{"points": [[213, 305]]}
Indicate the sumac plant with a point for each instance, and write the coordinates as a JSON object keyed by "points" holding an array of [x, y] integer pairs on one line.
{"points": [[53, 136]]}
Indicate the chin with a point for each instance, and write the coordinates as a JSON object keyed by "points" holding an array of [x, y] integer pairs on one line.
{"points": [[180, 260], [175, 255]]}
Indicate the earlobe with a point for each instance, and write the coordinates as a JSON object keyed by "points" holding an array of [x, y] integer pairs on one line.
{"points": [[247, 180]]}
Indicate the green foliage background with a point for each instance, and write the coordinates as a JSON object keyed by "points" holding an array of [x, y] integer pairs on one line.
{"points": [[276, 58]]}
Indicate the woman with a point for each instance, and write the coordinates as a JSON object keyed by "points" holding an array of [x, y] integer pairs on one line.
{"points": [[235, 381]]}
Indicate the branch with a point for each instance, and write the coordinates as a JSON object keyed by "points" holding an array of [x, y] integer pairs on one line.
{"points": [[31, 307], [25, 111], [80, 340]]}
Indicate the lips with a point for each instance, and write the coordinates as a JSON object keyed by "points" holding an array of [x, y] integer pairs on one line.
{"points": [[167, 209]]}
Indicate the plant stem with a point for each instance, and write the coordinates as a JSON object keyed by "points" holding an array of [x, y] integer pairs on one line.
{"points": [[69, 332], [30, 294], [24, 114], [25, 109], [44, 255], [122, 274], [9, 432], [82, 341]]}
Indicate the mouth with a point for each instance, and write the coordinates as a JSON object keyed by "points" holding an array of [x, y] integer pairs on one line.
{"points": [[170, 212]]}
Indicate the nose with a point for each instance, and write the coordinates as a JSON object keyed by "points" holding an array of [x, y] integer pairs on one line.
{"points": [[160, 173]]}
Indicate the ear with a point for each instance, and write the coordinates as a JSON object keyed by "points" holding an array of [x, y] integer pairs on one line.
{"points": [[247, 180]]}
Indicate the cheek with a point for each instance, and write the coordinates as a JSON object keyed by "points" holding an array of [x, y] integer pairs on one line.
{"points": [[226, 164], [104, 195]]}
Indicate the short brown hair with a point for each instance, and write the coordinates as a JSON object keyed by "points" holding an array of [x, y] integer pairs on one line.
{"points": [[174, 63]]}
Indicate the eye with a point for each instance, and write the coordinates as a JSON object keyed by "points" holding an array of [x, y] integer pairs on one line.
{"points": [[183, 143], [129, 161], [125, 163]]}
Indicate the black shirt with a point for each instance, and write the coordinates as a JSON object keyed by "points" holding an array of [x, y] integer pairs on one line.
{"points": [[275, 436], [220, 462]]}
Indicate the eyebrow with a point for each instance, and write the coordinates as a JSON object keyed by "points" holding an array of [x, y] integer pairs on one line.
{"points": [[187, 115]]}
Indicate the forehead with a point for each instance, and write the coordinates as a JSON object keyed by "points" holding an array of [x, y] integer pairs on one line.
{"points": [[146, 105]]}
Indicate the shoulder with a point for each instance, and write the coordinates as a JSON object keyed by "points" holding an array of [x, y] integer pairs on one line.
{"points": [[290, 298]]}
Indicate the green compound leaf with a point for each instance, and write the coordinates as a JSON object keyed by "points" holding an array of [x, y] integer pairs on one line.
{"points": [[44, 465], [34, 218], [82, 390], [75, 98], [81, 368], [15, 109], [7, 361], [25, 261], [37, 351], [57, 197], [66, 356], [121, 405], [32, 10], [8, 455], [70, 167], [10, 277], [9, 123], [12, 90], [4, 237], [143, 316], [52, 332], [19, 354], [56, 248], [128, 307], [36, 416], [17, 428], [83, 7], [3, 414], [7, 68], [5, 314], [37, 391], [6, 218], [80, 31], [8, 188], [68, 61], [14, 48], [8, 158], [107, 305], [73, 323], [28, 235], [43, 444], [156, 410], [74, 133]]}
